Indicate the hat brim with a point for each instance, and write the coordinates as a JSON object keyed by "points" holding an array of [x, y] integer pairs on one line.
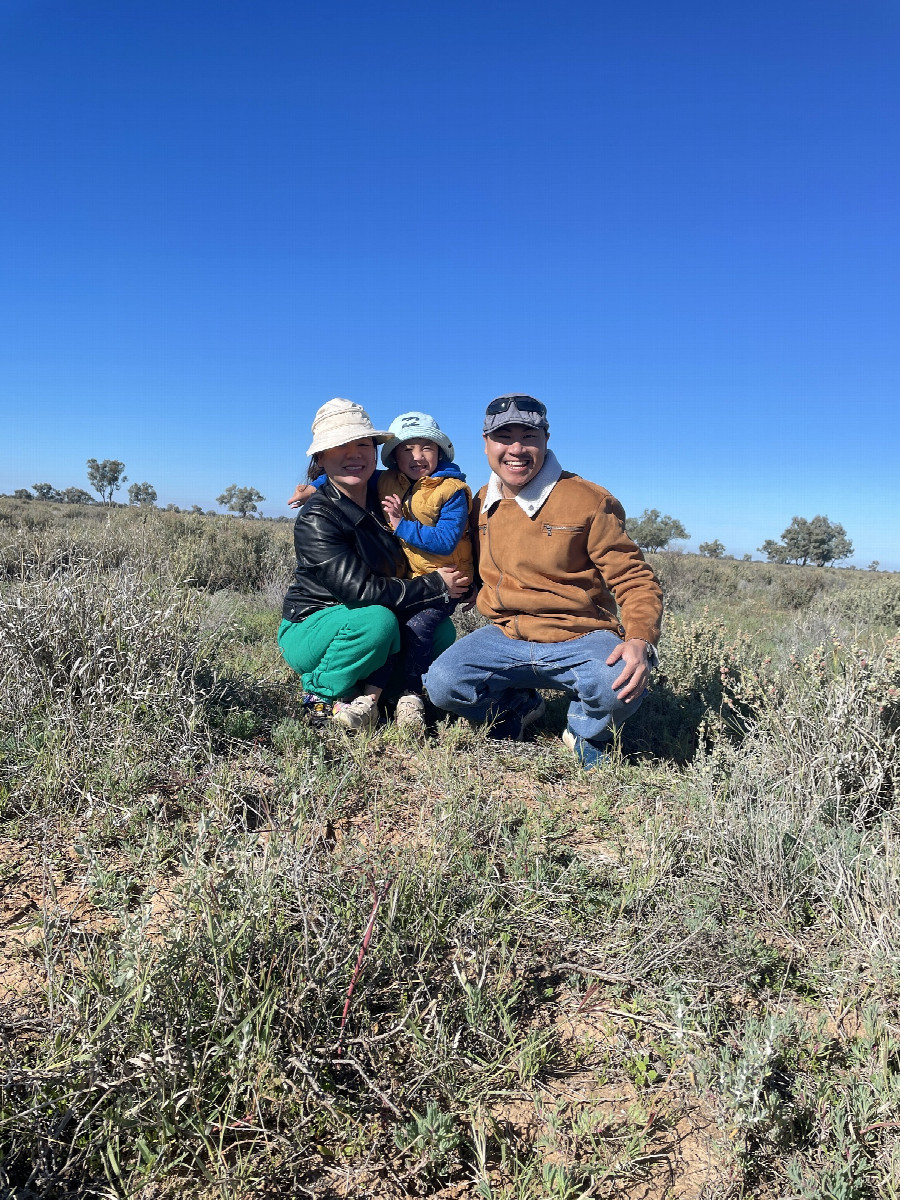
{"points": [[499, 420], [342, 437], [442, 442]]}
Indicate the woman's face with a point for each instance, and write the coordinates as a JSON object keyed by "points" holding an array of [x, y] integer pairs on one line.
{"points": [[349, 465]]}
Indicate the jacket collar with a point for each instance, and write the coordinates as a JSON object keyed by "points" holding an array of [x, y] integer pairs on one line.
{"points": [[348, 507], [534, 494], [447, 470]]}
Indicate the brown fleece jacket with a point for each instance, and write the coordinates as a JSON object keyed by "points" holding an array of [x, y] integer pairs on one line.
{"points": [[559, 574]]}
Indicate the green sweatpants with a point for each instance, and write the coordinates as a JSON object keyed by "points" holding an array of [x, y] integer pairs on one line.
{"points": [[335, 648]]}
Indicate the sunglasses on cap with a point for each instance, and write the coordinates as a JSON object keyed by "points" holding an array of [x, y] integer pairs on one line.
{"points": [[522, 403]]}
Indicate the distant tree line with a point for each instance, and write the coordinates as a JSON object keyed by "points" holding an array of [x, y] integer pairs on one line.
{"points": [[818, 541], [108, 476]]}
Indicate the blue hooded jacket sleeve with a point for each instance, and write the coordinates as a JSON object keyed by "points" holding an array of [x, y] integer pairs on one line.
{"points": [[443, 537]]}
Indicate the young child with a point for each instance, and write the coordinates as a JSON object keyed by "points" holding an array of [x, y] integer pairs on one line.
{"points": [[426, 503]]}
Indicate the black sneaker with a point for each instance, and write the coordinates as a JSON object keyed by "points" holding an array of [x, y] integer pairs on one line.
{"points": [[316, 709], [512, 724]]}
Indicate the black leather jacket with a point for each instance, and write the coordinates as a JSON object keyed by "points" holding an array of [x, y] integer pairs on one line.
{"points": [[346, 556]]}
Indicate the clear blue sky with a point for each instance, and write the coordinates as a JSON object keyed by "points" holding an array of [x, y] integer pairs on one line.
{"points": [[675, 223]]}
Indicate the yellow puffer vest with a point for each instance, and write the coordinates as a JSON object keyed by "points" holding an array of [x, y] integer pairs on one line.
{"points": [[422, 501]]}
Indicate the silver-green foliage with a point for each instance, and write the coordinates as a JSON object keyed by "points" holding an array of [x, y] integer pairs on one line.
{"points": [[95, 665]]}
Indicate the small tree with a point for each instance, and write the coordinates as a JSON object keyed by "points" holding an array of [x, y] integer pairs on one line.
{"points": [[873, 565], [746, 558], [653, 531], [818, 541], [142, 493], [45, 491], [22, 494], [241, 500], [74, 495], [712, 549], [106, 477]]}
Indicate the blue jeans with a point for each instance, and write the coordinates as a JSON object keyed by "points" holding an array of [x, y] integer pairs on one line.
{"points": [[486, 673]]}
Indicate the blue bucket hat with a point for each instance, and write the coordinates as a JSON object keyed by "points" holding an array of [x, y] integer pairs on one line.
{"points": [[416, 425]]}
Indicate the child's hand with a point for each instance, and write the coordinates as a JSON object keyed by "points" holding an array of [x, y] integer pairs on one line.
{"points": [[392, 510], [302, 493]]}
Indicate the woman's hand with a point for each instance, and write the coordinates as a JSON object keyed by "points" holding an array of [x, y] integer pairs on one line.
{"points": [[302, 493], [392, 510], [457, 583]]}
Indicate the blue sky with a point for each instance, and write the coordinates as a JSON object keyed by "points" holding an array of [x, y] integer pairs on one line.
{"points": [[676, 224]]}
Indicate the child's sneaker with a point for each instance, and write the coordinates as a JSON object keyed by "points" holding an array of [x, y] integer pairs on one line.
{"points": [[356, 715], [316, 709], [410, 713]]}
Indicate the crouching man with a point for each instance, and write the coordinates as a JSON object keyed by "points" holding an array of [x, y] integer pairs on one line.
{"points": [[555, 562]]}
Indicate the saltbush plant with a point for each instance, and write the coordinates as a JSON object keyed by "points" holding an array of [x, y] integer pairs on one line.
{"points": [[243, 957]]}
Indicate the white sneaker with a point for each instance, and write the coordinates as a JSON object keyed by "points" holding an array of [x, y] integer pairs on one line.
{"points": [[356, 715], [410, 713]]}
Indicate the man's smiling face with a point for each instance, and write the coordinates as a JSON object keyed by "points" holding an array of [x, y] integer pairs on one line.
{"points": [[516, 454]]}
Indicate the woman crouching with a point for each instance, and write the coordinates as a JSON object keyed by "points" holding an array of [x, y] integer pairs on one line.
{"points": [[340, 629]]}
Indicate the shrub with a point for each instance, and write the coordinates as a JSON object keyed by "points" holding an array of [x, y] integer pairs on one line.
{"points": [[99, 669], [799, 819], [692, 692], [872, 603], [37, 540]]}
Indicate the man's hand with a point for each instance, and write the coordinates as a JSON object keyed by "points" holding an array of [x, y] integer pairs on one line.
{"points": [[302, 493], [636, 669], [392, 510], [457, 583]]}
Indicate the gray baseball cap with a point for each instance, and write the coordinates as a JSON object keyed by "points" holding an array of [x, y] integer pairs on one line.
{"points": [[515, 410]]}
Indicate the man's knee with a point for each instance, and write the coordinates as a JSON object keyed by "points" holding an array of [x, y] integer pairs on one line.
{"points": [[447, 681], [596, 692], [439, 679]]}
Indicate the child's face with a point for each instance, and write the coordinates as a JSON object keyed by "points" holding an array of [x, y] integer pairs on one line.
{"points": [[417, 457]]}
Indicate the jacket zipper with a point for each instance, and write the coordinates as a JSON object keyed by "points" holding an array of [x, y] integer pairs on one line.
{"points": [[487, 523]]}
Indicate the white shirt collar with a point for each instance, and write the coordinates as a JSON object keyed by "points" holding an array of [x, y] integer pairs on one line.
{"points": [[533, 495]]}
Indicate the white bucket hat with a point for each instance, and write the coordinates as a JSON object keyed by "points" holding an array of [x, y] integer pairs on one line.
{"points": [[414, 425], [341, 421]]}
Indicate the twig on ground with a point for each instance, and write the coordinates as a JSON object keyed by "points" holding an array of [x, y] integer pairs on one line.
{"points": [[378, 894]]}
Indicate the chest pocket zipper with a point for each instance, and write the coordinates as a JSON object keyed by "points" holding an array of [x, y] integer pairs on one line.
{"points": [[551, 529]]}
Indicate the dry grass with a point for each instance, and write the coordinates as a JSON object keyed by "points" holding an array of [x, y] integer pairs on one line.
{"points": [[673, 977]]}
